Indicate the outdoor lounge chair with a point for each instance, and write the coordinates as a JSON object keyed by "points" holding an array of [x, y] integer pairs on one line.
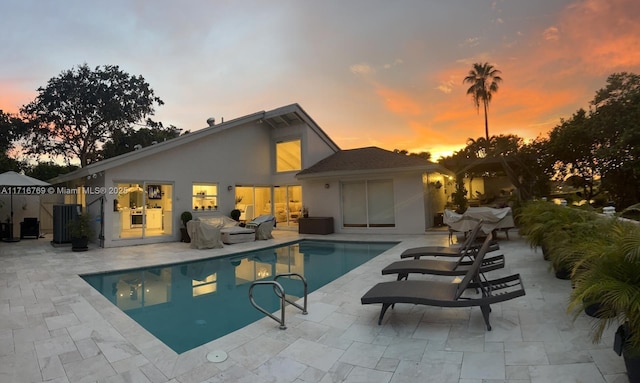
{"points": [[447, 268], [446, 294], [468, 247], [237, 234], [437, 267]]}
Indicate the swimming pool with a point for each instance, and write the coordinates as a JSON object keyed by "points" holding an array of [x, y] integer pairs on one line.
{"points": [[189, 304]]}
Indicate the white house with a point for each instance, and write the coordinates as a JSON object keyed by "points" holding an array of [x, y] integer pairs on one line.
{"points": [[273, 162]]}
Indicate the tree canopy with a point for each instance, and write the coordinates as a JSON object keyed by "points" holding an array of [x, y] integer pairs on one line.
{"points": [[8, 130], [503, 155], [48, 170], [424, 155], [80, 109], [604, 143], [125, 140], [571, 145]]}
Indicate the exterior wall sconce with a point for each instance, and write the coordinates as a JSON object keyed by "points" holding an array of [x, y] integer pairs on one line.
{"points": [[229, 188], [327, 186]]}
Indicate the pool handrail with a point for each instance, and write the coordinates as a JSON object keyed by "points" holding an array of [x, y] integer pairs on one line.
{"points": [[279, 291]]}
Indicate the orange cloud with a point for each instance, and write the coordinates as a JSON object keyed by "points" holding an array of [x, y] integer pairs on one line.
{"points": [[398, 102], [604, 35], [551, 33]]}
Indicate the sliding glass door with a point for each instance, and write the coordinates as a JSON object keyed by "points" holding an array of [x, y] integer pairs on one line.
{"points": [[142, 209], [287, 204], [253, 201], [368, 203]]}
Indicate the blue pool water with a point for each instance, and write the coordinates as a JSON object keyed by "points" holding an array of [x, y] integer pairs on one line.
{"points": [[188, 304]]}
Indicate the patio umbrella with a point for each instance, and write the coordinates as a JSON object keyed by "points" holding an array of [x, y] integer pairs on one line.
{"points": [[12, 180]]}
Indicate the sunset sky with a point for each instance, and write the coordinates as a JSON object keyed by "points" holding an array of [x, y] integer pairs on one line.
{"points": [[370, 73]]}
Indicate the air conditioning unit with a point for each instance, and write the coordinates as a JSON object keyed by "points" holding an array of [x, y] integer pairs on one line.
{"points": [[62, 215]]}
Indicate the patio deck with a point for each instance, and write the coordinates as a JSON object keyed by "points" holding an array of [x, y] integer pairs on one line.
{"points": [[55, 328]]}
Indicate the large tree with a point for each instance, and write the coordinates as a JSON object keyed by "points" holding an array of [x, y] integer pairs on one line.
{"points": [[604, 143], [81, 108], [484, 80], [615, 119], [571, 145]]}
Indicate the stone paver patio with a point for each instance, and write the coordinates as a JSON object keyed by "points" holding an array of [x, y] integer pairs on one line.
{"points": [[56, 328]]}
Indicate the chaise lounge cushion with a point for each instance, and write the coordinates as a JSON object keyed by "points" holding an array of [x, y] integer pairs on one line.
{"points": [[438, 267], [237, 234]]}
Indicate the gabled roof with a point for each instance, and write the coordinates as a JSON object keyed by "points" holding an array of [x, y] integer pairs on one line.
{"points": [[369, 160], [279, 117]]}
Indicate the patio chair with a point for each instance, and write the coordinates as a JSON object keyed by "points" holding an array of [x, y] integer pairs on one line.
{"points": [[204, 235], [30, 227], [263, 225], [446, 294], [469, 246]]}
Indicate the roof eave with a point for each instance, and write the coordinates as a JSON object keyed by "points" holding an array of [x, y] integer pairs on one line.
{"points": [[360, 172], [304, 116]]}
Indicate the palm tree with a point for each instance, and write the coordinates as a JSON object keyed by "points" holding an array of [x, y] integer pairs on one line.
{"points": [[484, 80]]}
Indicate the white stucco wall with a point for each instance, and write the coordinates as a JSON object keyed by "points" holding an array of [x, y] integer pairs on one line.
{"points": [[315, 149], [240, 155], [409, 203]]}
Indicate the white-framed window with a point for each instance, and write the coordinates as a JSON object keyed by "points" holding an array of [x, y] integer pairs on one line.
{"points": [[288, 155], [205, 197], [368, 203]]}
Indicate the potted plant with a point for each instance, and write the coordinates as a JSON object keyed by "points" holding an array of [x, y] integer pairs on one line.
{"points": [[185, 217], [80, 230], [566, 242], [536, 220], [610, 275], [305, 212], [459, 197]]}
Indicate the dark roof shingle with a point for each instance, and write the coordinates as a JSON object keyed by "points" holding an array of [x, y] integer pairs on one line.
{"points": [[369, 158]]}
